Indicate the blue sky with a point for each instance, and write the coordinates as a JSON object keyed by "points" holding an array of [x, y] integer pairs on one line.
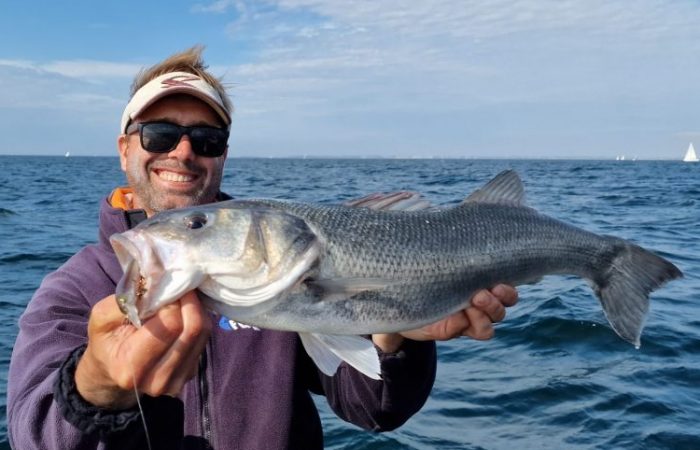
{"points": [[406, 78]]}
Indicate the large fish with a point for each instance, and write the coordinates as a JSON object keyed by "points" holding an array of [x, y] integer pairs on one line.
{"points": [[332, 273]]}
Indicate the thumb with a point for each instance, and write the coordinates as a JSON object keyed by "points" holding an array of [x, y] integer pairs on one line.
{"points": [[105, 316]]}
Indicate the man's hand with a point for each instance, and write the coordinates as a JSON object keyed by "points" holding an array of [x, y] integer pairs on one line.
{"points": [[476, 321], [158, 358]]}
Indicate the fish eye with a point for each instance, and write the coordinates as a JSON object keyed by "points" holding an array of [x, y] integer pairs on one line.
{"points": [[195, 221]]}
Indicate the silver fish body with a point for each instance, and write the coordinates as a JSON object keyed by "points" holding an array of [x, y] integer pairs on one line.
{"points": [[337, 270], [413, 268]]}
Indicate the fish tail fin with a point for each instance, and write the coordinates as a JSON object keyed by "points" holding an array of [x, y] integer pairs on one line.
{"points": [[624, 286]]}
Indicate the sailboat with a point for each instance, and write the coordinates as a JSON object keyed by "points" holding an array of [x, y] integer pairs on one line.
{"points": [[690, 155]]}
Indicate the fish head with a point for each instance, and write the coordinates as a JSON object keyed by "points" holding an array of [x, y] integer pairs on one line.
{"points": [[160, 259], [246, 252]]}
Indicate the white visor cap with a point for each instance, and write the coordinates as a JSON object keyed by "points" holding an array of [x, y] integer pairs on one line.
{"points": [[170, 84]]}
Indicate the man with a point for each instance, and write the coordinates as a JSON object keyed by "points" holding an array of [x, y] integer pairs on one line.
{"points": [[78, 369]]}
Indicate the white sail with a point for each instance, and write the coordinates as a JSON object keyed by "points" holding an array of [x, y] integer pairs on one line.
{"points": [[690, 155]]}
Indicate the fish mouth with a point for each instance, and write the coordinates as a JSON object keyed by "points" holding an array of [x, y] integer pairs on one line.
{"points": [[132, 290]]}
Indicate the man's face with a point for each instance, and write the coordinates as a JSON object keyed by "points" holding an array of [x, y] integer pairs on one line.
{"points": [[179, 178]]}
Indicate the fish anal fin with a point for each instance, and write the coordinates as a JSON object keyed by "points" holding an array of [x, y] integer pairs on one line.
{"points": [[505, 188], [327, 351]]}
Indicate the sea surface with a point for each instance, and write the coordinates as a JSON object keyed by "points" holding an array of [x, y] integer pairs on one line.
{"points": [[555, 376]]}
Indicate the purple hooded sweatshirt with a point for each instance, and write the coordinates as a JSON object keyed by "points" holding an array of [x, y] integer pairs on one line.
{"points": [[252, 390]]}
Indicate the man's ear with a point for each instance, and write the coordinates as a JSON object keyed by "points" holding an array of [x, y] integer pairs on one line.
{"points": [[123, 147]]}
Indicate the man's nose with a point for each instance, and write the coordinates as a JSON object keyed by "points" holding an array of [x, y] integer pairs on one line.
{"points": [[183, 149]]}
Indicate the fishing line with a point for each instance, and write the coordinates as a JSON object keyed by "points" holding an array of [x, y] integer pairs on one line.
{"points": [[138, 402]]}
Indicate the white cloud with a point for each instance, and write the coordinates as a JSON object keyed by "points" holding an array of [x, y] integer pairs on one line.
{"points": [[18, 64], [609, 62], [218, 7], [91, 70], [416, 71], [53, 86], [81, 69], [499, 17], [443, 40], [88, 101]]}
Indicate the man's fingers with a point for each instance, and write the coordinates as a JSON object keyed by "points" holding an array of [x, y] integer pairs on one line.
{"points": [[507, 294], [480, 325], [490, 305], [179, 363], [455, 325], [195, 319], [150, 343], [159, 357], [476, 321]]}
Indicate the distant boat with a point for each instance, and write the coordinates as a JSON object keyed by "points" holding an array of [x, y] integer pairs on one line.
{"points": [[67, 154], [690, 155]]}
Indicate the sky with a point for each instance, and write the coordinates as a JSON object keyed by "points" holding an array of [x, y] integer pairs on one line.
{"points": [[369, 78]]}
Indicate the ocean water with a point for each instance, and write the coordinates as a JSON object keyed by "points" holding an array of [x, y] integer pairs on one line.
{"points": [[555, 376]]}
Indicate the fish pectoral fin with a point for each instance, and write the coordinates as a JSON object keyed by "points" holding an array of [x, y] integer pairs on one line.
{"points": [[506, 188], [328, 350], [333, 289]]}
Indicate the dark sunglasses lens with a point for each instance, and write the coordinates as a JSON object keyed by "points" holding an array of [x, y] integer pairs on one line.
{"points": [[208, 141], [159, 137]]}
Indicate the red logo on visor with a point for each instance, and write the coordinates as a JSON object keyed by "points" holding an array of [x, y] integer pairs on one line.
{"points": [[178, 80]]}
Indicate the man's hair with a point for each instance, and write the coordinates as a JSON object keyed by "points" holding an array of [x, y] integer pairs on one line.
{"points": [[189, 61]]}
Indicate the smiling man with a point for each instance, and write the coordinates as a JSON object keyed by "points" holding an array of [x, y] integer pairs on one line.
{"points": [[171, 108], [78, 370]]}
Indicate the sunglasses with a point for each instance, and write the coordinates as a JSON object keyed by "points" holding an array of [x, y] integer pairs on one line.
{"points": [[163, 137]]}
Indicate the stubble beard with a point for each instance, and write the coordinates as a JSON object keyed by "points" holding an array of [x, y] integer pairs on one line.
{"points": [[155, 201]]}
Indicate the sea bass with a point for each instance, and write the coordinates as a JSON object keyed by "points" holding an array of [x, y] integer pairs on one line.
{"points": [[332, 273]]}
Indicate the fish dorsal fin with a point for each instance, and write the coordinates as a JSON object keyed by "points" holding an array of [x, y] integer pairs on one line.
{"points": [[393, 201], [506, 188]]}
